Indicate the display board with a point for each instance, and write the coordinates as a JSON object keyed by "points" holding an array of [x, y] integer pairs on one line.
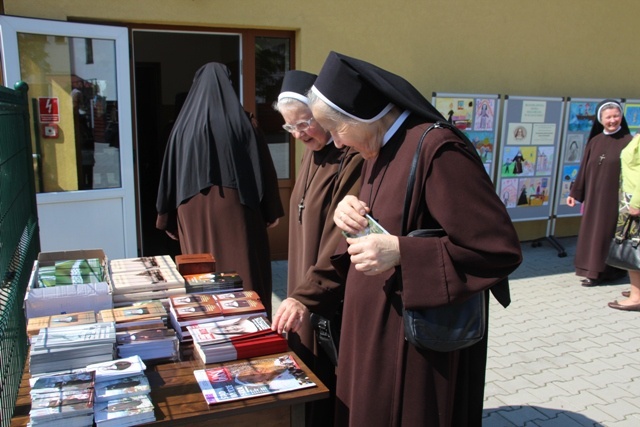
{"points": [[530, 137], [632, 114], [580, 114], [478, 117]]}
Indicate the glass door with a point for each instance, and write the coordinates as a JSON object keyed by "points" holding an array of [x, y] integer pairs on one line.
{"points": [[78, 77]]}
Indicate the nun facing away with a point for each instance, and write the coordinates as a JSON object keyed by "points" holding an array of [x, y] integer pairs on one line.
{"points": [[218, 189]]}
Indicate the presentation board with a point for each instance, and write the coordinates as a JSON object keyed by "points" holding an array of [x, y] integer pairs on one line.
{"points": [[527, 165], [580, 114], [478, 117]]}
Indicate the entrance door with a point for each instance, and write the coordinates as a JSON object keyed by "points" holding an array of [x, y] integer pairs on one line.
{"points": [[78, 77]]}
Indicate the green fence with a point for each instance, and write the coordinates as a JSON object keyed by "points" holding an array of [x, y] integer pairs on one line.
{"points": [[19, 240]]}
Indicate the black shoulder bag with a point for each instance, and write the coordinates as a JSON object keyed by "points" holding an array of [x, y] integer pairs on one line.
{"points": [[450, 327]]}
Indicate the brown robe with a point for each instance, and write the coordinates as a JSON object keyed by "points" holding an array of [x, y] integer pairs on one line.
{"points": [[325, 177], [597, 186], [214, 221], [381, 379]]}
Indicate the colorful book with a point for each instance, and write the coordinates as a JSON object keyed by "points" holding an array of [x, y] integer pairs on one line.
{"points": [[230, 330], [35, 324], [118, 388], [251, 378], [132, 410], [241, 349]]}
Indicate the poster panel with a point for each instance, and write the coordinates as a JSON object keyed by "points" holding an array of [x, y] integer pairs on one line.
{"points": [[580, 114], [478, 117], [527, 165]]}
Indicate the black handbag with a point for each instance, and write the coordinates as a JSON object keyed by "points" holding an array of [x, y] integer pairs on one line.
{"points": [[623, 249], [450, 327], [327, 334]]}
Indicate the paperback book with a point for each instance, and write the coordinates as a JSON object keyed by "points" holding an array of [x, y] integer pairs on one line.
{"points": [[118, 368], [118, 388], [230, 330], [251, 378], [127, 411], [213, 282]]}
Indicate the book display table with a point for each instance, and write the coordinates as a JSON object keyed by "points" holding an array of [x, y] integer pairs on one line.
{"points": [[178, 400]]}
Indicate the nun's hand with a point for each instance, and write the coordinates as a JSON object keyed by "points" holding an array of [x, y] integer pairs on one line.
{"points": [[290, 316], [375, 253], [350, 214]]}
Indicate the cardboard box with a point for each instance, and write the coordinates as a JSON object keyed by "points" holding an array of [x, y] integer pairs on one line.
{"points": [[195, 264], [55, 300]]}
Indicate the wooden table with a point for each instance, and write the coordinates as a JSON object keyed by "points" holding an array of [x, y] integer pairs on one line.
{"points": [[178, 401]]}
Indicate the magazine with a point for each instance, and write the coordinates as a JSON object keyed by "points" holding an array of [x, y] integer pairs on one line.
{"points": [[251, 378]]}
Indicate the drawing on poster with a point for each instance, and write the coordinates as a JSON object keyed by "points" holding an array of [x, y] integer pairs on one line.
{"points": [[483, 141], [569, 173], [519, 161], [485, 112], [575, 147], [458, 111], [519, 134], [545, 160], [632, 114], [533, 192], [581, 116], [509, 191]]}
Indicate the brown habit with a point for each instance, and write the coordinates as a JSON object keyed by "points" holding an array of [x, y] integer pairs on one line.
{"points": [[325, 177], [597, 186], [382, 380]]}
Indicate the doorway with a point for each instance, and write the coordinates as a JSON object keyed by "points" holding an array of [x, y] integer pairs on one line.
{"points": [[164, 64]]}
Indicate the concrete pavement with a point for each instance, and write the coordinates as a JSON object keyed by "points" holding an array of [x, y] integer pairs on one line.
{"points": [[558, 355]]}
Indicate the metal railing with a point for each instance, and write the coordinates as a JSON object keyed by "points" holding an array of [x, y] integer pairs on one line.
{"points": [[19, 240]]}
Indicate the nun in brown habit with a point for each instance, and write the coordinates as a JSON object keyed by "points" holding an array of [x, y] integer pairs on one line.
{"points": [[327, 174], [218, 189], [381, 379]]}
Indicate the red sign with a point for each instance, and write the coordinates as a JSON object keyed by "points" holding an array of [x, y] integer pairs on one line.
{"points": [[48, 110]]}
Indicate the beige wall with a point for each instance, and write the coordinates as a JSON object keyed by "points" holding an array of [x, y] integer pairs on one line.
{"points": [[577, 48], [574, 48]]}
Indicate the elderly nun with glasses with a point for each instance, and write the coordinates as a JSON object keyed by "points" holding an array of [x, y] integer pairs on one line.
{"points": [[326, 175]]}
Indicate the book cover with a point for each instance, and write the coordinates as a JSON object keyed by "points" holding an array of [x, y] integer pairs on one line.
{"points": [[233, 307], [131, 410], [191, 311], [118, 368], [152, 309], [251, 378], [56, 383], [76, 335], [142, 263], [144, 335], [230, 330], [187, 299], [222, 280], [117, 388], [236, 295], [74, 399]]}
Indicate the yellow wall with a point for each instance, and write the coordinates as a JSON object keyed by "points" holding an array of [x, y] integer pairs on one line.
{"points": [[574, 48]]}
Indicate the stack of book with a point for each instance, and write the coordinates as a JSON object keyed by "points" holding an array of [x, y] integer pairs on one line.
{"points": [[237, 338], [252, 378], [143, 315], [141, 329], [144, 279], [193, 309], [229, 281], [122, 393], [35, 324], [63, 400], [159, 344], [72, 347]]}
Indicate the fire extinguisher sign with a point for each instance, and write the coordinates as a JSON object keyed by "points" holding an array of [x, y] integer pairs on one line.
{"points": [[48, 110]]}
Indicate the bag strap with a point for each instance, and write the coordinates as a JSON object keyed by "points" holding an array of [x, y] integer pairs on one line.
{"points": [[412, 172]]}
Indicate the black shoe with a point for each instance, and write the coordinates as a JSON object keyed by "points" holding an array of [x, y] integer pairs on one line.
{"points": [[591, 282]]}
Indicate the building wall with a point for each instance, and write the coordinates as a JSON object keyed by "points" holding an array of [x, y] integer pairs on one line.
{"points": [[572, 48], [577, 48]]}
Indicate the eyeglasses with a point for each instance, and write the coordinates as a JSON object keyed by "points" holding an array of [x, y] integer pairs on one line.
{"points": [[301, 126]]}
